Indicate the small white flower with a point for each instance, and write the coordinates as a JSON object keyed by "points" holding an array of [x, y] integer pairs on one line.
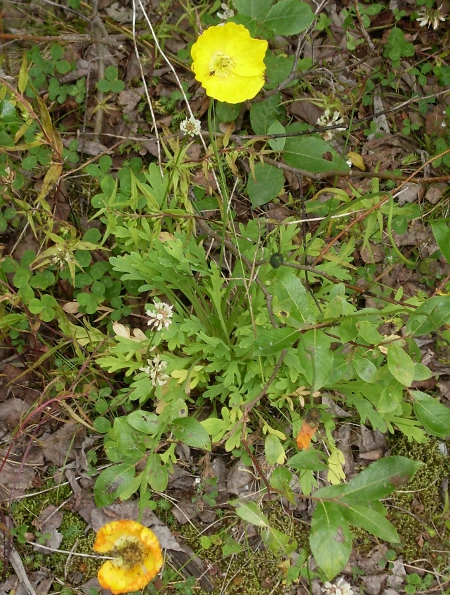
{"points": [[422, 19], [155, 370], [328, 119], [160, 317], [62, 256], [430, 17], [349, 163], [340, 587], [322, 121], [227, 12], [9, 177], [191, 126], [336, 119]]}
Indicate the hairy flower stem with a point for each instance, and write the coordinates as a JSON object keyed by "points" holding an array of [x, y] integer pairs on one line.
{"points": [[224, 203]]}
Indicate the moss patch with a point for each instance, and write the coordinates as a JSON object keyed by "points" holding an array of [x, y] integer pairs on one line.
{"points": [[254, 570], [75, 570], [417, 510]]}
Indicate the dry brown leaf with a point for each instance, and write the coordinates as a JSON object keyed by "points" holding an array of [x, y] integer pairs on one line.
{"points": [[14, 480], [185, 511], [239, 478], [59, 447], [372, 455], [435, 193], [305, 110], [71, 307], [409, 193], [48, 521], [444, 387], [374, 583], [12, 412], [372, 253]]}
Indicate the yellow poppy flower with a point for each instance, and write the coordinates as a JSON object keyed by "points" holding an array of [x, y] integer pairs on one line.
{"points": [[137, 556], [229, 63]]}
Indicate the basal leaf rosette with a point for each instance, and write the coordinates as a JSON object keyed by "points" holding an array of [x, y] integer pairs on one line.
{"points": [[137, 556], [229, 63]]}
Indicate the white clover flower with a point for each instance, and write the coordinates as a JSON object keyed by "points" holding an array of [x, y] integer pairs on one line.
{"points": [[191, 126], [9, 177], [328, 119], [227, 12], [340, 587], [160, 317], [430, 17], [62, 257], [155, 370]]}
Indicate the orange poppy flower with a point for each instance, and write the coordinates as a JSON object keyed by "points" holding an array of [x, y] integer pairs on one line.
{"points": [[137, 556], [308, 429]]}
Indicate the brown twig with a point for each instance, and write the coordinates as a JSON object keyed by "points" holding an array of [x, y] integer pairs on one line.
{"points": [[352, 173], [249, 406], [258, 467], [68, 38], [441, 286], [360, 290], [97, 25], [362, 28], [355, 123]]}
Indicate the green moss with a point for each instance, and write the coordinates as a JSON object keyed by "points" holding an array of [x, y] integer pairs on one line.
{"points": [[363, 541], [416, 510], [73, 527], [255, 570], [28, 509]]}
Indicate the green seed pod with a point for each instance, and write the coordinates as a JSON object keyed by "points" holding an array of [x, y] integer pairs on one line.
{"points": [[276, 260]]}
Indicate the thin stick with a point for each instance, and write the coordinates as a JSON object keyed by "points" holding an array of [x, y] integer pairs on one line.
{"points": [[352, 173], [68, 38], [362, 28], [51, 549], [147, 94], [99, 113]]}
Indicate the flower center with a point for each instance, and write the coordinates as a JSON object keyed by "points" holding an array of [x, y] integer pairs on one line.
{"points": [[220, 65], [128, 553]]}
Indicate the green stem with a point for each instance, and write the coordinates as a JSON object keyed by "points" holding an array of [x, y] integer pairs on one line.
{"points": [[221, 178], [172, 171], [389, 231]]}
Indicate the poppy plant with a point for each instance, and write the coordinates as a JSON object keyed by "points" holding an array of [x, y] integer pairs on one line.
{"points": [[229, 63], [136, 552]]}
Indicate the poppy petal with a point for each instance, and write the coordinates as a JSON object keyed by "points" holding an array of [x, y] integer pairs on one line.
{"points": [[124, 537], [229, 63], [305, 435]]}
